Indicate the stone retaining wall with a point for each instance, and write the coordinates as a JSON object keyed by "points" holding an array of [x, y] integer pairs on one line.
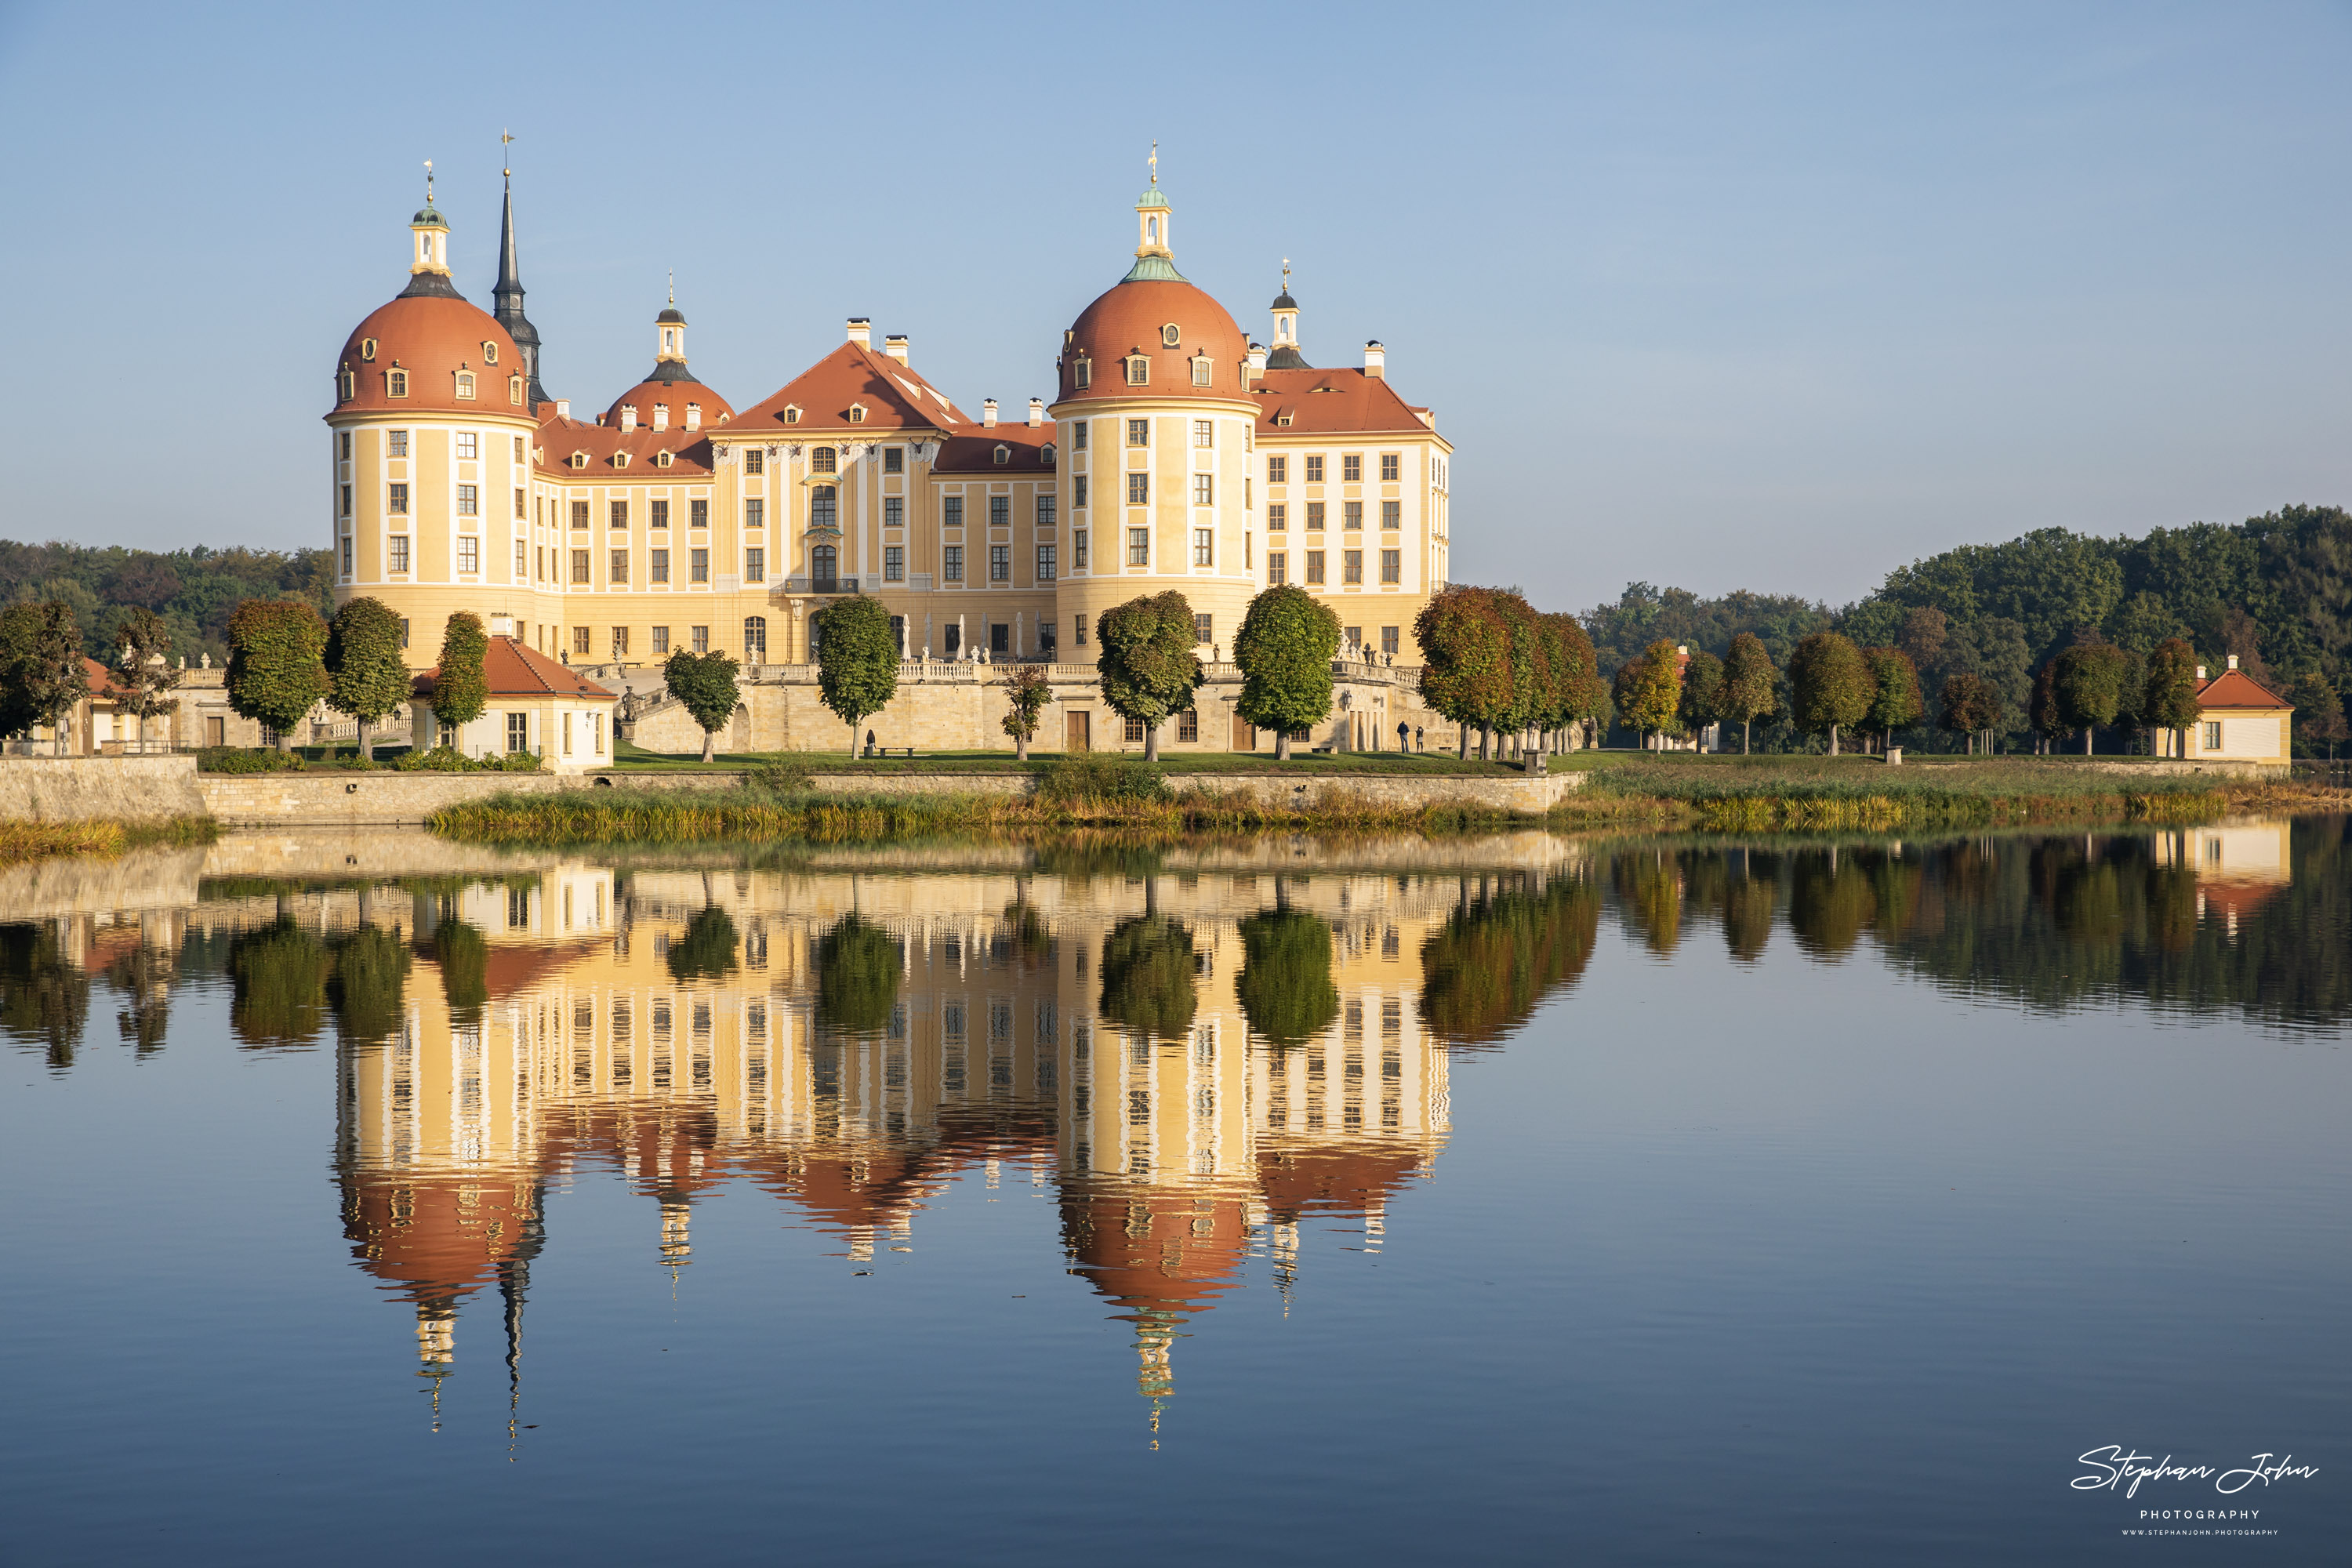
{"points": [[98, 789]]}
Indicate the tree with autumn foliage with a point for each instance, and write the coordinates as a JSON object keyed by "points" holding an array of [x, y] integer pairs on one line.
{"points": [[1897, 704], [1833, 686], [1649, 691], [1465, 650], [1751, 687]]}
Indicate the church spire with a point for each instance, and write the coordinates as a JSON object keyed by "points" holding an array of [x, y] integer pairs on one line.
{"points": [[506, 299]]}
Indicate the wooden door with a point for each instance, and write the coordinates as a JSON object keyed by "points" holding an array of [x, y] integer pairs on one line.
{"points": [[1245, 735], [1077, 731], [216, 731]]}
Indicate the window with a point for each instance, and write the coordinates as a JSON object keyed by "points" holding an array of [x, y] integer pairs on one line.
{"points": [[1314, 471], [699, 637], [1046, 510], [1277, 568], [660, 514], [349, 389], [517, 732], [465, 383], [1351, 636], [580, 514], [1004, 454], [1389, 641], [367, 349], [470, 553], [664, 459], [580, 646], [1138, 547], [1203, 629], [1391, 515], [657, 567], [951, 511], [893, 460], [1000, 637], [580, 566], [1139, 489], [347, 557], [857, 414], [1352, 515], [1000, 564], [1046, 639], [398, 502], [518, 448], [1139, 371], [1078, 491], [791, 413], [898, 634], [1135, 731], [1078, 436], [823, 508], [822, 459], [469, 500], [661, 639], [951, 563], [400, 553], [894, 563], [1277, 470], [1315, 515], [755, 566], [522, 561], [1391, 464], [697, 565], [620, 642], [755, 639], [489, 352], [468, 445], [755, 461], [1204, 546], [395, 384], [1351, 469], [1391, 566], [2212, 735], [999, 512], [1277, 518], [1200, 370], [1139, 432], [1314, 568], [620, 460], [1188, 725], [395, 444], [523, 508], [1082, 373], [1204, 489], [620, 567], [894, 511], [1351, 566], [1078, 549], [1171, 335], [697, 514], [1077, 631], [347, 501], [822, 568]]}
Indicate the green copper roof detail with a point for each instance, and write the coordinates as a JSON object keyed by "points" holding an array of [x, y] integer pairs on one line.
{"points": [[1154, 270], [1151, 198]]}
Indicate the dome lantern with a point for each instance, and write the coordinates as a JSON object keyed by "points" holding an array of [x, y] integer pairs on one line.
{"points": [[1285, 354], [428, 254], [1155, 261]]}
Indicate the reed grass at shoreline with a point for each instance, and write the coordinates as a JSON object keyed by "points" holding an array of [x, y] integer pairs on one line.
{"points": [[23, 841]]}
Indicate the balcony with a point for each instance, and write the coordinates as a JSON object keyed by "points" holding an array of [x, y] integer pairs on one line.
{"points": [[805, 585]]}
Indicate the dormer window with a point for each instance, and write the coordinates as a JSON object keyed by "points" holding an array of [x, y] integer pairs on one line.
{"points": [[465, 383], [350, 387], [579, 459], [1082, 372], [663, 459], [1200, 370], [489, 352], [367, 347], [821, 460], [395, 384], [1171, 335], [857, 414], [1045, 454], [1283, 418], [791, 413], [514, 390], [620, 460], [1139, 371], [1004, 454]]}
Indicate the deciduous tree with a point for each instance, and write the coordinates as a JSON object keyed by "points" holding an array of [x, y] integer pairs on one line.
{"points": [[1027, 691], [461, 691], [1751, 687], [1649, 691], [1702, 699], [366, 678], [275, 673], [1148, 667], [705, 682], [856, 660], [1285, 648], [1833, 688], [2169, 701], [1896, 704], [1465, 651], [41, 674], [1966, 702], [2319, 714], [144, 677], [2090, 678]]}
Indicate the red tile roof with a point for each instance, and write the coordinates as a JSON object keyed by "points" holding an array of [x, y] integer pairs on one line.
{"points": [[1333, 402], [895, 399], [974, 452], [558, 438], [2236, 688], [515, 668]]}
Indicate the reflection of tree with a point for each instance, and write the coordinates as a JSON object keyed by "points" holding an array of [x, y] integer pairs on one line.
{"points": [[1650, 884], [1284, 989], [707, 949], [1748, 904], [464, 955], [144, 976], [1499, 954], [44, 995], [279, 985], [371, 972], [858, 965], [1029, 937], [1830, 903], [1146, 976]]}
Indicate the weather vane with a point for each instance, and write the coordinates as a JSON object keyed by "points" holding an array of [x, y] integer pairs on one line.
{"points": [[505, 137], [673, 285], [428, 182], [1286, 274], [1155, 163]]}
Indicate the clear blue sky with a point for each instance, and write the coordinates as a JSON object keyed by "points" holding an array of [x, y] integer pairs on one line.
{"points": [[1722, 296]]}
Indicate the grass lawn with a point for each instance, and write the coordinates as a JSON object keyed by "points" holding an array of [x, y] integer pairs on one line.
{"points": [[628, 758]]}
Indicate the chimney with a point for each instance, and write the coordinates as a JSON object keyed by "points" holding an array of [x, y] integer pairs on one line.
{"points": [[1036, 411], [628, 417], [1257, 360], [895, 346], [694, 415], [2200, 672], [2234, 661], [1375, 361], [661, 415], [861, 331], [988, 411], [563, 408]]}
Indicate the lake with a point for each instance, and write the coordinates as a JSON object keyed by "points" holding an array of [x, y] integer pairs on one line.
{"points": [[1520, 1198]]}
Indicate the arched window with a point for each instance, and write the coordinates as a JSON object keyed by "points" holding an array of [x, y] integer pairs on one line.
{"points": [[755, 639], [514, 390], [821, 460], [821, 511], [350, 387], [821, 568], [1082, 372], [791, 413], [1004, 454]]}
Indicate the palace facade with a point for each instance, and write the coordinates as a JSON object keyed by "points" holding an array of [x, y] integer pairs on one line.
{"points": [[1176, 453]]}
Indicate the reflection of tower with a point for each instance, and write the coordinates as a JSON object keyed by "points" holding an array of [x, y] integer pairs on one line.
{"points": [[676, 1245]]}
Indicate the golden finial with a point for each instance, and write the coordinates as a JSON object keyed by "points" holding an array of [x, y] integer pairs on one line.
{"points": [[428, 182], [506, 138], [673, 285], [1155, 163], [1286, 274]]}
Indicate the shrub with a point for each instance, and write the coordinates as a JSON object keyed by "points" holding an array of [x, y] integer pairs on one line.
{"points": [[1102, 778], [240, 759], [790, 778]]}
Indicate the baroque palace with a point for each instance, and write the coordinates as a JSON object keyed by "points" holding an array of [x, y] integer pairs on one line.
{"points": [[1177, 453]]}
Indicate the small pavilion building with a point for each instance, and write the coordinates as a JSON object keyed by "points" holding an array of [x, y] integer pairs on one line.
{"points": [[2240, 719], [535, 705]]}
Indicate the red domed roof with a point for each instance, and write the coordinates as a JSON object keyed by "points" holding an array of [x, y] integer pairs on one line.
{"points": [[1133, 318], [432, 337], [670, 383]]}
